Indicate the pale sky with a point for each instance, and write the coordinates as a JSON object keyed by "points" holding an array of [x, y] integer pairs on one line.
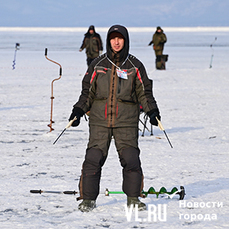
{"points": [[104, 13]]}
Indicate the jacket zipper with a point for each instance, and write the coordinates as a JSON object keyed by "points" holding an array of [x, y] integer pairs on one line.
{"points": [[112, 96]]}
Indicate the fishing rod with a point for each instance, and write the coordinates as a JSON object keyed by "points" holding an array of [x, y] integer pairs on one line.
{"points": [[14, 61], [144, 126], [212, 52], [162, 129], [144, 194], [69, 124], [52, 97]]}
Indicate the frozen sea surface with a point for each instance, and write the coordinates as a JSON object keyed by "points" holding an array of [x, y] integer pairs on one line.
{"points": [[193, 100]]}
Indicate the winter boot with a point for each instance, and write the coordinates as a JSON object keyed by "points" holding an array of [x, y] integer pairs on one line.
{"points": [[87, 205], [136, 201]]}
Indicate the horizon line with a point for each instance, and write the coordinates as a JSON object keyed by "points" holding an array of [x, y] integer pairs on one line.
{"points": [[105, 29]]}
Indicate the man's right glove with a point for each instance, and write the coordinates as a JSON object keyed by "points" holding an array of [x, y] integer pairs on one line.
{"points": [[78, 113], [152, 115]]}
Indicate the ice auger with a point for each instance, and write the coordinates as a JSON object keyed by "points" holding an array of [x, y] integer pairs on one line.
{"points": [[144, 194]]}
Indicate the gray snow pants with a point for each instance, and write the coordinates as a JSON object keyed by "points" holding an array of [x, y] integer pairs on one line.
{"points": [[126, 142]]}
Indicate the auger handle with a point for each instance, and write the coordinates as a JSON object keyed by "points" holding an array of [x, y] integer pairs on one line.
{"points": [[70, 192], [54, 192], [36, 191], [52, 97]]}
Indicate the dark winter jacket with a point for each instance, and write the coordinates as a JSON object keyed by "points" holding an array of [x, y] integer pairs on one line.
{"points": [[111, 100], [92, 43], [159, 39]]}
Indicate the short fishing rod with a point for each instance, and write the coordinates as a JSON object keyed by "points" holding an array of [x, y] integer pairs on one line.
{"points": [[162, 129], [144, 125], [69, 124]]}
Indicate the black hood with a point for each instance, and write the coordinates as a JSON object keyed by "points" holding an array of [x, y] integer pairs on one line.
{"points": [[91, 27], [122, 55], [159, 28]]}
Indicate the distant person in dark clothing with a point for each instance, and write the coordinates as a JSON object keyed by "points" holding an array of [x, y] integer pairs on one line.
{"points": [[158, 41], [93, 44]]}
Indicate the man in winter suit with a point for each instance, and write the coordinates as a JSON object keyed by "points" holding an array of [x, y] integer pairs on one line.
{"points": [[112, 89], [158, 41], [93, 44]]}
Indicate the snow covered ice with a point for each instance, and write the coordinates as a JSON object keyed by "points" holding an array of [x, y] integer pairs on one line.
{"points": [[193, 101]]}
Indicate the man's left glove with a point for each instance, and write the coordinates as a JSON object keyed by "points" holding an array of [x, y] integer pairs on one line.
{"points": [[78, 113], [152, 115]]}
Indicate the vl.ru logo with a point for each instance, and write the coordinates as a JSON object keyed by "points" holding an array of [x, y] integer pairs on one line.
{"points": [[154, 213]]}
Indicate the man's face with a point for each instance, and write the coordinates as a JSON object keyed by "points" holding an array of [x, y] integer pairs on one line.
{"points": [[91, 31], [117, 41]]}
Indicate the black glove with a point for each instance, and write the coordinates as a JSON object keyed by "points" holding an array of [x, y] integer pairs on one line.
{"points": [[152, 115], [78, 113]]}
